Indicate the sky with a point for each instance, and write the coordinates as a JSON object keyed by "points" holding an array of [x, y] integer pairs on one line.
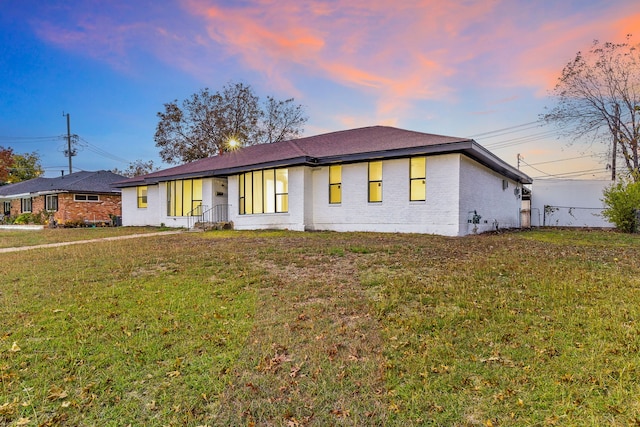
{"points": [[483, 69]]}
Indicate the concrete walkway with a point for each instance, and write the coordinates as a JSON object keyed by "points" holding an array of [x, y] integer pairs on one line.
{"points": [[78, 242]]}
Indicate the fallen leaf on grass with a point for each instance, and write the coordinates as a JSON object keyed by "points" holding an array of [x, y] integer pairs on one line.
{"points": [[8, 408], [14, 347], [23, 421], [173, 374], [294, 371], [341, 413], [56, 393]]}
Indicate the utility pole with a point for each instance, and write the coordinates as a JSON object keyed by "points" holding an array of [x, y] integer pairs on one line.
{"points": [[69, 152]]}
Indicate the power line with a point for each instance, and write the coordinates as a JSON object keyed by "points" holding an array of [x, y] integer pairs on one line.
{"points": [[29, 139], [99, 151], [564, 160], [500, 131]]}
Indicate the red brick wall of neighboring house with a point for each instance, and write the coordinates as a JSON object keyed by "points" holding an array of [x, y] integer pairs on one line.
{"points": [[37, 204], [71, 210], [15, 207]]}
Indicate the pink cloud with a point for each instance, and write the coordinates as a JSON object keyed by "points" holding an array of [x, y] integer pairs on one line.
{"points": [[395, 53], [399, 52]]}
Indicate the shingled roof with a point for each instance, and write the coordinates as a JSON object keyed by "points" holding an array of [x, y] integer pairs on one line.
{"points": [[375, 142], [78, 182]]}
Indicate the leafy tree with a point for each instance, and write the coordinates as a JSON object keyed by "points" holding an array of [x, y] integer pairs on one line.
{"points": [[206, 122], [6, 161], [137, 168], [18, 167], [25, 167], [622, 200], [598, 98]]}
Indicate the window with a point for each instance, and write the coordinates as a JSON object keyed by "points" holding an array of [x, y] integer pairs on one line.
{"points": [[418, 179], [51, 202], [25, 205], [184, 197], [335, 184], [86, 198], [375, 181], [142, 196], [265, 191], [7, 208]]}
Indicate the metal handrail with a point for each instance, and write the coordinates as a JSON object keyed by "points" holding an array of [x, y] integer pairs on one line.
{"points": [[218, 213], [195, 215]]}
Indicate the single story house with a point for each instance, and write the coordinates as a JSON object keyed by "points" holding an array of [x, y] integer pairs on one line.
{"points": [[569, 203], [369, 179], [78, 197]]}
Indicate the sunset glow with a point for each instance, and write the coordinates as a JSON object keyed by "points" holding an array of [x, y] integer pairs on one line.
{"points": [[454, 68]]}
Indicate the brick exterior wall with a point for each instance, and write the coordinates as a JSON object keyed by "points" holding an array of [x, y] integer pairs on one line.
{"points": [[71, 210]]}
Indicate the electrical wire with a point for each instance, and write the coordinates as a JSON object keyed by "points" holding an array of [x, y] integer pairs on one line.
{"points": [[99, 151]]}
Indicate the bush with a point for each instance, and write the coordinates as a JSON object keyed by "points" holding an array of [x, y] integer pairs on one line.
{"points": [[622, 200], [24, 218]]}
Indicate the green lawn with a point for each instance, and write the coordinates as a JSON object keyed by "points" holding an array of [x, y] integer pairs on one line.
{"points": [[20, 238], [290, 329]]}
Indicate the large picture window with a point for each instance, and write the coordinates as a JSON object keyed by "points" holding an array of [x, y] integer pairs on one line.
{"points": [[265, 191], [375, 181], [184, 197], [51, 202], [142, 196], [418, 179], [335, 184]]}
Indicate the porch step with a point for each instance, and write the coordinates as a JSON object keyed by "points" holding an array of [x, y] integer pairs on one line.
{"points": [[208, 226]]}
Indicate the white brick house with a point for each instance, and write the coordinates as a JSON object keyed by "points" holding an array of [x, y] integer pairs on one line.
{"points": [[369, 179]]}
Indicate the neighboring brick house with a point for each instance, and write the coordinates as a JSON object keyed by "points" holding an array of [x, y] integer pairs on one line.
{"points": [[86, 197], [369, 179]]}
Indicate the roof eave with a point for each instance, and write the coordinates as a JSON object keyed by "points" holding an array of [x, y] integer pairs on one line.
{"points": [[483, 156], [297, 161]]}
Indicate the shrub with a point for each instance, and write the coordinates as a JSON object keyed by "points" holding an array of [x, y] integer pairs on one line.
{"points": [[24, 218], [622, 200]]}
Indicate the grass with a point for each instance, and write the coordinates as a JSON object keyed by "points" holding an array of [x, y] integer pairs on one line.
{"points": [[19, 238], [283, 328]]}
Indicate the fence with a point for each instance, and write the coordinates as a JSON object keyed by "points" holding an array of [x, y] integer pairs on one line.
{"points": [[568, 216]]}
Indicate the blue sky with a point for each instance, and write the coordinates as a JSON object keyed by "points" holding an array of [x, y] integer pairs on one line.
{"points": [[460, 68]]}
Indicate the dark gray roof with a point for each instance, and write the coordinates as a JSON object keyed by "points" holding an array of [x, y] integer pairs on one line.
{"points": [[375, 142], [78, 182]]}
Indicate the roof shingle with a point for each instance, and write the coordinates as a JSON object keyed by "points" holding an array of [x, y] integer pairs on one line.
{"points": [[83, 182], [340, 146]]}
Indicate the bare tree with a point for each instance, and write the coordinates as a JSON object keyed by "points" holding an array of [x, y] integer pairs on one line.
{"points": [[598, 99], [282, 120], [137, 168], [205, 123]]}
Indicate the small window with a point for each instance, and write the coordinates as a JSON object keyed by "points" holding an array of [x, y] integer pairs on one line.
{"points": [[142, 196], [375, 181], [335, 184], [7, 208], [51, 203], [418, 179], [25, 205], [86, 198], [505, 184]]}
